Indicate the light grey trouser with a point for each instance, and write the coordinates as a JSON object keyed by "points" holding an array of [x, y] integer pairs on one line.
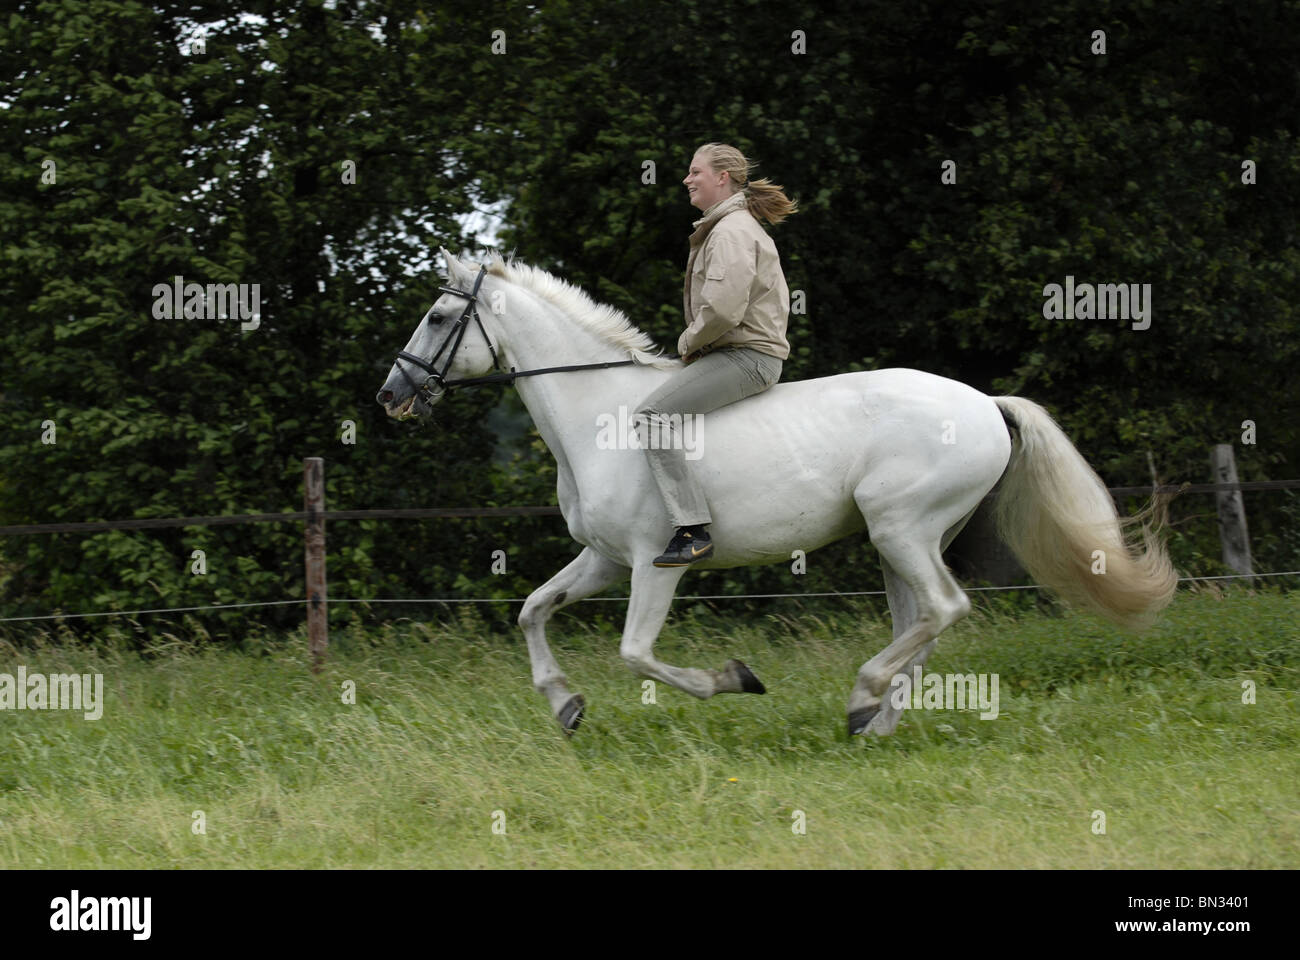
{"points": [[713, 381]]}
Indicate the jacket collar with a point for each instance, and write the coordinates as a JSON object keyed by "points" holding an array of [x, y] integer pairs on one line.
{"points": [[715, 213]]}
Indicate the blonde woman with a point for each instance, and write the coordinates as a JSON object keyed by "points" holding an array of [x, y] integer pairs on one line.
{"points": [[736, 305]]}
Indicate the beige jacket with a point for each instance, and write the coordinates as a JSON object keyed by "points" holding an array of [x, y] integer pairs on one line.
{"points": [[735, 293]]}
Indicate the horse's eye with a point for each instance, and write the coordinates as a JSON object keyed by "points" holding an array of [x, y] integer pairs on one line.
{"points": [[435, 318]]}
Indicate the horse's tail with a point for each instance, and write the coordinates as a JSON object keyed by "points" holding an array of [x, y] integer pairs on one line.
{"points": [[1055, 514]]}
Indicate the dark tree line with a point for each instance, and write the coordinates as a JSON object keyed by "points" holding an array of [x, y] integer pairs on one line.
{"points": [[324, 152]]}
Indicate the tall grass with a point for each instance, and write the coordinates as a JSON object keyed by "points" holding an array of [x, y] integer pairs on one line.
{"points": [[447, 740]]}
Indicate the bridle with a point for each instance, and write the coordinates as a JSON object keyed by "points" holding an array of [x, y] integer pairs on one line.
{"points": [[438, 378]]}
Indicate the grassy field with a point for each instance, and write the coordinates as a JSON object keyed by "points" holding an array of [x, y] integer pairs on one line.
{"points": [[447, 739]]}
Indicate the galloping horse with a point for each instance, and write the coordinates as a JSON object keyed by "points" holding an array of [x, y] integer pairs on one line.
{"points": [[904, 454]]}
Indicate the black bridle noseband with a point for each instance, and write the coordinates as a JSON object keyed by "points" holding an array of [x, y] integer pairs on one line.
{"points": [[438, 377]]}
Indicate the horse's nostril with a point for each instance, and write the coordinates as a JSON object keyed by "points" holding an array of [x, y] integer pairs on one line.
{"points": [[385, 397]]}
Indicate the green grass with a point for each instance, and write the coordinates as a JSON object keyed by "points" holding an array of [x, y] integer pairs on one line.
{"points": [[446, 729]]}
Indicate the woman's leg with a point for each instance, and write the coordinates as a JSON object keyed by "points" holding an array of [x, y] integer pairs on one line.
{"points": [[713, 381]]}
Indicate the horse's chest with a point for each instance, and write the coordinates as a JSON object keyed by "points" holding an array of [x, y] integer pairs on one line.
{"points": [[593, 515], [571, 506]]}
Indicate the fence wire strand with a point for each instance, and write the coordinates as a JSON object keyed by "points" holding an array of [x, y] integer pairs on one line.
{"points": [[451, 600]]}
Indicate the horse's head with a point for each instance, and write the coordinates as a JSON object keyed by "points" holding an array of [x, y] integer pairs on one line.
{"points": [[449, 345]]}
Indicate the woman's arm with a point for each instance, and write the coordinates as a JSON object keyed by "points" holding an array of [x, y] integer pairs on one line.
{"points": [[730, 265]]}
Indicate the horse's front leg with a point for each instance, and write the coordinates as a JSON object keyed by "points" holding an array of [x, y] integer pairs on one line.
{"points": [[589, 573], [652, 595]]}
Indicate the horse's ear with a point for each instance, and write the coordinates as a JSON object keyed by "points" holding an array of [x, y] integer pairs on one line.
{"points": [[455, 269]]}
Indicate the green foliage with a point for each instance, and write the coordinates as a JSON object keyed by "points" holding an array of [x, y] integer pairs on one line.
{"points": [[222, 167], [227, 166]]}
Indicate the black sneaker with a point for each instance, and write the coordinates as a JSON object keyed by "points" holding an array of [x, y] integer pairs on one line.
{"points": [[686, 547]]}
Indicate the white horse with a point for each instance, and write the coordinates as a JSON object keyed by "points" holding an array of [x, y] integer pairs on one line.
{"points": [[904, 454]]}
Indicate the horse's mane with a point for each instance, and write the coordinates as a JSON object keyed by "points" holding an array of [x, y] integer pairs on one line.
{"points": [[608, 323]]}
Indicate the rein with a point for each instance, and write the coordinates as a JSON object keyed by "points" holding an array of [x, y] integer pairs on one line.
{"points": [[439, 377]]}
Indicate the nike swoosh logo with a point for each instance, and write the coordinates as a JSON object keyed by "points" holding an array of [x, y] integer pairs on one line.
{"points": [[696, 553]]}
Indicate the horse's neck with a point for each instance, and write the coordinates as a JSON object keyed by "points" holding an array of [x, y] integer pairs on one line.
{"points": [[564, 406]]}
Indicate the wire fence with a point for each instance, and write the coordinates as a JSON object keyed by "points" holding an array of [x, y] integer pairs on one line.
{"points": [[426, 513], [161, 523], [455, 600], [315, 517]]}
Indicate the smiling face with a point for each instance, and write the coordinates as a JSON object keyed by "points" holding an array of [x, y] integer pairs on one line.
{"points": [[704, 185]]}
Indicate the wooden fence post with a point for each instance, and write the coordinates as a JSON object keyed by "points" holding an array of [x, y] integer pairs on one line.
{"points": [[313, 481], [1232, 511]]}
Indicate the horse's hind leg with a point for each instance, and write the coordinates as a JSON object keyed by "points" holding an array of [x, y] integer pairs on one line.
{"points": [[589, 573], [902, 613], [652, 595], [910, 546]]}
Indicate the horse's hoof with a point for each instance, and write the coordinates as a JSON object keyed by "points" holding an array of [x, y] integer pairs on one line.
{"points": [[859, 720], [748, 682], [570, 715]]}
